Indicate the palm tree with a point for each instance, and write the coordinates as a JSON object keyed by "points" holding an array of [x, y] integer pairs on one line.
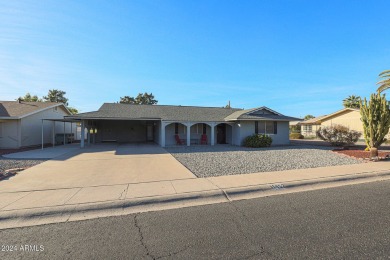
{"points": [[385, 82], [352, 102]]}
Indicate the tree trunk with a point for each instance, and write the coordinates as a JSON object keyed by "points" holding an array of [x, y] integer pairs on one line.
{"points": [[374, 153]]}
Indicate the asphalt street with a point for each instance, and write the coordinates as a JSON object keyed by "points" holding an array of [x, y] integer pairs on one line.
{"points": [[350, 222]]}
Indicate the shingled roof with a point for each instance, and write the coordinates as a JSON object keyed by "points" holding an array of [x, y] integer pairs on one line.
{"points": [[14, 109], [158, 112], [320, 119], [175, 113], [251, 114]]}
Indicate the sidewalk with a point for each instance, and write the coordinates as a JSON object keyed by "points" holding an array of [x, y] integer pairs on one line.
{"points": [[25, 208]]}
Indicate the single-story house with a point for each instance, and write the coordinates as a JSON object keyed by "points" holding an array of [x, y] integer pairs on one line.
{"points": [[349, 117], [170, 125], [24, 124]]}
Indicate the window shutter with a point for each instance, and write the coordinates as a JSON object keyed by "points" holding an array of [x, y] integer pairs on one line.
{"points": [[256, 127], [204, 129], [275, 127]]}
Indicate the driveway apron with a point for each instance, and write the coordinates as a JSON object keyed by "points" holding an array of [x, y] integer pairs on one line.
{"points": [[104, 164]]}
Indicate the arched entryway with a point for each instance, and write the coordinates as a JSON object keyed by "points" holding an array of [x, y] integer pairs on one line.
{"points": [[200, 134], [173, 131]]}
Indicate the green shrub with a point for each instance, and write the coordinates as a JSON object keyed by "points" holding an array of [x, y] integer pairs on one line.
{"points": [[258, 140], [338, 135], [296, 136]]}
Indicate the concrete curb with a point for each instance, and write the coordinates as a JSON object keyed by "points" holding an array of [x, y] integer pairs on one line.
{"points": [[238, 193], [65, 213]]}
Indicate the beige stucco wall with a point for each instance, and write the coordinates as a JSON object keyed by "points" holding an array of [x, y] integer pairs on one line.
{"points": [[350, 119]]}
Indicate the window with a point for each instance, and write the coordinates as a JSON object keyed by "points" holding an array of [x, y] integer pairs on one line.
{"points": [[176, 128], [261, 127], [266, 127], [307, 128], [204, 129], [269, 127]]}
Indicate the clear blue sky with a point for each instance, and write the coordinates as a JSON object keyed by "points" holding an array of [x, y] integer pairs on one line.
{"points": [[296, 57]]}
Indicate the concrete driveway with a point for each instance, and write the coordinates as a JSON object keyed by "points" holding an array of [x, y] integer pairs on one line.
{"points": [[104, 164]]}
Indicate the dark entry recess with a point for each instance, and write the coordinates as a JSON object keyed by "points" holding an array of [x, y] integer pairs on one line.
{"points": [[221, 134]]}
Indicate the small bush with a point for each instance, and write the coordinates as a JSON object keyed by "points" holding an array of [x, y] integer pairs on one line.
{"points": [[296, 136], [338, 135], [258, 140]]}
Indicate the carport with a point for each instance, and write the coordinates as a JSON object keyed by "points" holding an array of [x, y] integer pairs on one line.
{"points": [[105, 130], [67, 136]]}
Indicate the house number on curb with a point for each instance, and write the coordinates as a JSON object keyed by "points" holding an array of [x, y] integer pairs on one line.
{"points": [[277, 186]]}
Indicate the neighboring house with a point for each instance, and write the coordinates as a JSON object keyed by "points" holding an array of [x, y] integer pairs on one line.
{"points": [[349, 117], [163, 125], [21, 123]]}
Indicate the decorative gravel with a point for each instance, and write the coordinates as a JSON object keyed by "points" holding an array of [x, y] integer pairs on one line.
{"points": [[6, 164], [209, 161]]}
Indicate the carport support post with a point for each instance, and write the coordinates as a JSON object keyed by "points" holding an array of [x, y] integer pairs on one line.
{"points": [[89, 136], [82, 134], [162, 134], [212, 134], [42, 135], [53, 132], [188, 134]]}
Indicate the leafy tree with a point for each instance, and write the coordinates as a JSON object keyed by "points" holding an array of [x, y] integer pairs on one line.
{"points": [[55, 95], [141, 99], [352, 102], [73, 110], [127, 100], [295, 129], [29, 98], [307, 117], [384, 83]]}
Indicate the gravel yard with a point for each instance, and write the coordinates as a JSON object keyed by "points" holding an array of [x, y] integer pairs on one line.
{"points": [[6, 163], [209, 161]]}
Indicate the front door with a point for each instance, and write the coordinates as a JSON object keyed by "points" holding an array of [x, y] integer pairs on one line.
{"points": [[221, 134], [149, 133]]}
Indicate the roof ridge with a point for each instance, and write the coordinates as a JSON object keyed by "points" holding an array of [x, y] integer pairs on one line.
{"points": [[171, 105]]}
